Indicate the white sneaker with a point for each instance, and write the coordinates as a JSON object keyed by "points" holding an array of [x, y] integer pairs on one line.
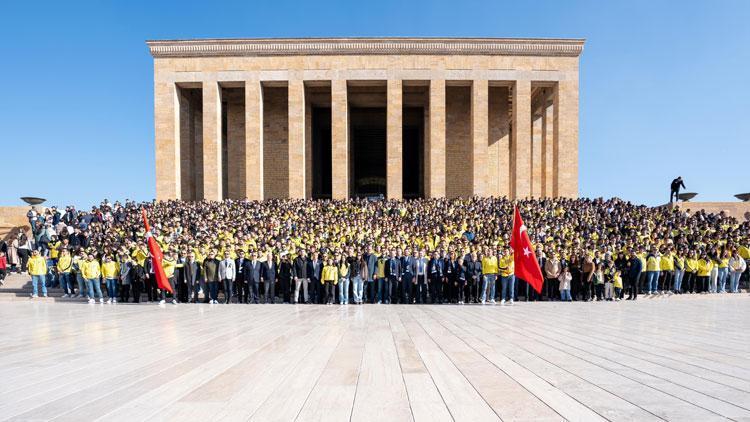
{"points": [[92, 301], [101, 300], [114, 301], [482, 302], [174, 301], [33, 296], [109, 301], [65, 295], [492, 301], [511, 301], [502, 302], [161, 302]]}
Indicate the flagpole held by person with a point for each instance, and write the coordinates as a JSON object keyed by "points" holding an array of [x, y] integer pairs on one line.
{"points": [[524, 258]]}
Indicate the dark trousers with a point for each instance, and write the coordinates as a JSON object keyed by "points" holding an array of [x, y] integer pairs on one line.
{"points": [[553, 288], [702, 284], [665, 280], [460, 290], [436, 289], [406, 294], [421, 289], [213, 289], [269, 292], [285, 293], [674, 193], [151, 288], [125, 293], [599, 291], [372, 291], [137, 287], [254, 287], [170, 280], [392, 289], [314, 290], [228, 284], [330, 290], [633, 286], [243, 290], [689, 281]]}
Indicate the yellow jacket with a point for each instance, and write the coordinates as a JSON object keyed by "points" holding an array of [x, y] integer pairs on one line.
{"points": [[329, 273], [90, 269], [704, 267], [489, 265], [666, 263], [110, 269], [506, 266], [54, 252], [37, 265], [652, 263], [691, 265], [64, 264], [169, 267]]}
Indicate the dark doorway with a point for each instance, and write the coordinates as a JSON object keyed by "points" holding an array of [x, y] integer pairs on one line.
{"points": [[321, 150], [413, 153], [368, 151]]}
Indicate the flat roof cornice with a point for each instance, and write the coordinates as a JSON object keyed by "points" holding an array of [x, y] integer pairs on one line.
{"points": [[365, 46]]}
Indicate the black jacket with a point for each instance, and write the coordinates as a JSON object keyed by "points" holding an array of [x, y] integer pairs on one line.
{"points": [[393, 267]]}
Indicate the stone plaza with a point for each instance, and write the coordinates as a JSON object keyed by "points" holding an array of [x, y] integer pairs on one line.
{"points": [[355, 117], [680, 358]]}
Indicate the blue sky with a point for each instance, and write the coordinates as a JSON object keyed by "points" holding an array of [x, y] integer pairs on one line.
{"points": [[664, 85]]}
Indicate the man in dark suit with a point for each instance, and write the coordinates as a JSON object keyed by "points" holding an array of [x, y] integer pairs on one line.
{"points": [[371, 288], [191, 278], [252, 276], [268, 275], [241, 286], [635, 268], [314, 270], [393, 274], [435, 274], [408, 269], [674, 189]]}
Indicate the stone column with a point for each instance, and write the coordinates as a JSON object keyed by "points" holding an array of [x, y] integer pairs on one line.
{"points": [[566, 139], [166, 134], [339, 140], [537, 157], [520, 149], [212, 165], [548, 141], [435, 148], [253, 140], [296, 139], [480, 136], [394, 160], [236, 151]]}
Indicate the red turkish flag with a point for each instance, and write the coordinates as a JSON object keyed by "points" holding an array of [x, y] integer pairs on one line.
{"points": [[524, 258], [156, 257]]}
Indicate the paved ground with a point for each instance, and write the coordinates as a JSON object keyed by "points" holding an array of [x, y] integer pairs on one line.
{"points": [[678, 358]]}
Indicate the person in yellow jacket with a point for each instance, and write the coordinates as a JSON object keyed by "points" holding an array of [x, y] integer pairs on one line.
{"points": [[91, 271], [110, 273], [704, 267], [507, 276], [666, 271], [64, 266], [652, 272], [489, 276], [169, 263], [329, 278], [37, 266], [691, 271]]}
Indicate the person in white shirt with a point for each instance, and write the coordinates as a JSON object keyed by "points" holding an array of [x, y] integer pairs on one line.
{"points": [[227, 274]]}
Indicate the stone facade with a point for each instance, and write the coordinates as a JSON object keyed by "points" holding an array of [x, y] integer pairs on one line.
{"points": [[233, 118]]}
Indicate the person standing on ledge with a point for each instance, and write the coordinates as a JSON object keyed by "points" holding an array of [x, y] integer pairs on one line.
{"points": [[675, 189]]}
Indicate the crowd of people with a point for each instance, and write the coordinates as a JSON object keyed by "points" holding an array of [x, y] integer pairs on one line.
{"points": [[360, 251]]}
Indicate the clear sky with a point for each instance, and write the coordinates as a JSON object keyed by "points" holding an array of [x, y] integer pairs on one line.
{"points": [[664, 84]]}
